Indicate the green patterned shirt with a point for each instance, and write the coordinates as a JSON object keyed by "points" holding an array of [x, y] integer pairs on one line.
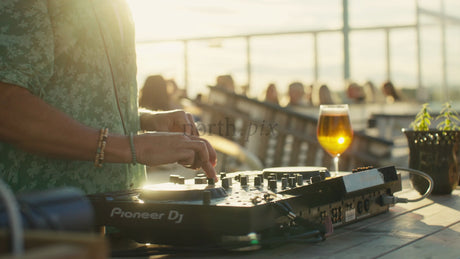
{"points": [[55, 49]]}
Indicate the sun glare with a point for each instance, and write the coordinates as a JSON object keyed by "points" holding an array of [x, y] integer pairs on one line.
{"points": [[341, 140], [172, 19]]}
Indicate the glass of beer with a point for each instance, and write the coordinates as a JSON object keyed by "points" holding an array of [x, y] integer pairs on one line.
{"points": [[334, 130]]}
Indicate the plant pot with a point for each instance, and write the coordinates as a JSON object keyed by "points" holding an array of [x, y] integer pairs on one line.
{"points": [[435, 153]]}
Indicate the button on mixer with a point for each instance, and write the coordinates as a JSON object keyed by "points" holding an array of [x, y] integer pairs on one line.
{"points": [[299, 179], [211, 181], [174, 178], [272, 184], [244, 180], [257, 181], [284, 183], [226, 182], [292, 181], [201, 180]]}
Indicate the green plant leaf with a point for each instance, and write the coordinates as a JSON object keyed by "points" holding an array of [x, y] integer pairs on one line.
{"points": [[449, 118], [422, 121]]}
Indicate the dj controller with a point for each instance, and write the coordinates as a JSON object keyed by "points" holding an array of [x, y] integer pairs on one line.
{"points": [[248, 208]]}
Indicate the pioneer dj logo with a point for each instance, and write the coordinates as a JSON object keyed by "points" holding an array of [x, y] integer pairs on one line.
{"points": [[172, 215]]}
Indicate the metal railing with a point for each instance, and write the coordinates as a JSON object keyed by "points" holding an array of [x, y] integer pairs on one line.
{"points": [[345, 30]]}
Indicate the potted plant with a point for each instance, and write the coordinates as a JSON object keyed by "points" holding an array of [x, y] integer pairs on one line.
{"points": [[434, 150]]}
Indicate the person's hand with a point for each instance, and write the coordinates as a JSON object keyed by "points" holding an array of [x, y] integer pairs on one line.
{"points": [[162, 148], [169, 121]]}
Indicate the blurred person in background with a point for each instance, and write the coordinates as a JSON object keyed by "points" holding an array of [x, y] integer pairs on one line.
{"points": [[154, 94], [271, 94], [389, 92], [296, 94], [325, 95], [355, 93], [225, 82]]}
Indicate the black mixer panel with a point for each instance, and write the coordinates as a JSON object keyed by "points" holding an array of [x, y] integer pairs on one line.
{"points": [[245, 204]]}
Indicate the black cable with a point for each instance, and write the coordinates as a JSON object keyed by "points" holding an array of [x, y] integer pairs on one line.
{"points": [[286, 210], [424, 175], [390, 199]]}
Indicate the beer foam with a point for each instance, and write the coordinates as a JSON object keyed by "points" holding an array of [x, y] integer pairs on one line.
{"points": [[335, 110]]}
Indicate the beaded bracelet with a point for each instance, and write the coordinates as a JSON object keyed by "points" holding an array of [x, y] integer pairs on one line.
{"points": [[104, 133], [133, 150]]}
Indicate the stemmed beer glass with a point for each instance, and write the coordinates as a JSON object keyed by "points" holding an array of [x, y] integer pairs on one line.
{"points": [[334, 130]]}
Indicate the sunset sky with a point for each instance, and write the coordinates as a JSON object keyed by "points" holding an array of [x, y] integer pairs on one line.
{"points": [[287, 58]]}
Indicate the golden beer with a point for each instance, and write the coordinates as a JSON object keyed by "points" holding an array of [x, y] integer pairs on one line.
{"points": [[334, 131]]}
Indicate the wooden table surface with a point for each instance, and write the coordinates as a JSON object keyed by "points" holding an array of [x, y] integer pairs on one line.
{"points": [[426, 229], [429, 228]]}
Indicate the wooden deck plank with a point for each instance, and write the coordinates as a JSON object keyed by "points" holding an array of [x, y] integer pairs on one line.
{"points": [[442, 244], [405, 228], [402, 228]]}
